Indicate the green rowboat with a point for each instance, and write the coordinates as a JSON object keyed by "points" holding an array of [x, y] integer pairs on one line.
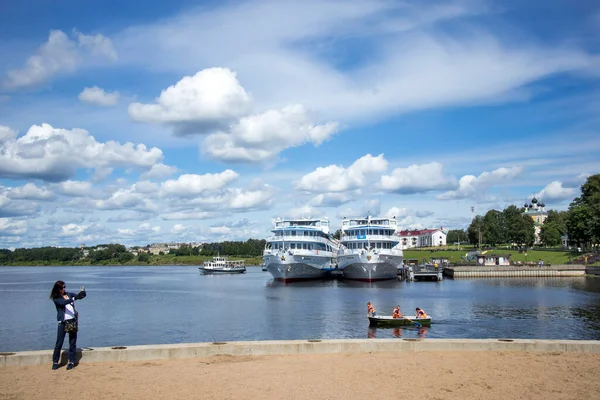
{"points": [[385, 320]]}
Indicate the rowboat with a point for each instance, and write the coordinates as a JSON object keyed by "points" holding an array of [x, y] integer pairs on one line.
{"points": [[385, 320]]}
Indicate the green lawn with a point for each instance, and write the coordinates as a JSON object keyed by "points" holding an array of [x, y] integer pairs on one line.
{"points": [[549, 257]]}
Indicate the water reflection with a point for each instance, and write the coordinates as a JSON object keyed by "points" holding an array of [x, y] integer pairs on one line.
{"points": [[397, 332], [422, 331], [371, 333]]}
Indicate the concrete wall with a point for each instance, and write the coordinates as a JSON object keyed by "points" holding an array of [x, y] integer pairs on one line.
{"points": [[195, 350]]}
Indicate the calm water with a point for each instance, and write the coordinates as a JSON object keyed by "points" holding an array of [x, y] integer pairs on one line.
{"points": [[153, 305]]}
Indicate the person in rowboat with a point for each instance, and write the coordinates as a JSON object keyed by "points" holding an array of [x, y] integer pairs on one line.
{"points": [[371, 309], [420, 313], [397, 313]]}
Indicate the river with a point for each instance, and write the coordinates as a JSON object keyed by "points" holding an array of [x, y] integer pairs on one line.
{"points": [[156, 305]]}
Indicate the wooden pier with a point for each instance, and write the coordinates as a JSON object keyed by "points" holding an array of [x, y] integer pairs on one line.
{"points": [[422, 273]]}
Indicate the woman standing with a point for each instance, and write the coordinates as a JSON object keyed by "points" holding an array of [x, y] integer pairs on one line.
{"points": [[67, 321]]}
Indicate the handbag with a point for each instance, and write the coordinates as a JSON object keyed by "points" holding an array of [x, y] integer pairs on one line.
{"points": [[71, 325]]}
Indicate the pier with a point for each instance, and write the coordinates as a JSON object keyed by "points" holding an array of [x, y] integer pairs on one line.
{"points": [[515, 271], [421, 273]]}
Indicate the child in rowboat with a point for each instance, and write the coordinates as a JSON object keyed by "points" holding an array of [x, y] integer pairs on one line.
{"points": [[371, 309], [420, 313], [397, 313]]}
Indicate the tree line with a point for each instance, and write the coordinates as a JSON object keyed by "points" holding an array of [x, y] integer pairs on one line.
{"points": [[581, 224], [118, 253]]}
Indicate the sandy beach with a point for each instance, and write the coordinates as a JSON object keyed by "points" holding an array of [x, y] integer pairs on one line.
{"points": [[431, 375]]}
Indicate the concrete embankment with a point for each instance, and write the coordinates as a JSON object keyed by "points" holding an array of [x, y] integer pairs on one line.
{"points": [[498, 271], [287, 347]]}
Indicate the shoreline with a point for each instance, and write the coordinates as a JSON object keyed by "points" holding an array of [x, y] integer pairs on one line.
{"points": [[299, 347]]}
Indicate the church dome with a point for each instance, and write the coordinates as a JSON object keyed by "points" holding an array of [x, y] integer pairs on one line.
{"points": [[534, 201]]}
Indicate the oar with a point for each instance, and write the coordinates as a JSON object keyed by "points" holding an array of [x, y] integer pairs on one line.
{"points": [[414, 322]]}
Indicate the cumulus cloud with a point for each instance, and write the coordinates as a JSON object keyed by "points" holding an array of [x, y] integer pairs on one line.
{"points": [[30, 191], [72, 230], [142, 230], [60, 54], [193, 184], [417, 179], [130, 216], [335, 178], [74, 188], [210, 99], [213, 102], [12, 228], [159, 171], [263, 136], [189, 215], [470, 185], [556, 191], [97, 96], [125, 199], [334, 199], [54, 154]]}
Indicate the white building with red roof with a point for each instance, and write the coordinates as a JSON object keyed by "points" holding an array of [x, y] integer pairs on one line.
{"points": [[422, 238]]}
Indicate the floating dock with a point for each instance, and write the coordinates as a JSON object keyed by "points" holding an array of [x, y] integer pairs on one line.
{"points": [[496, 271]]}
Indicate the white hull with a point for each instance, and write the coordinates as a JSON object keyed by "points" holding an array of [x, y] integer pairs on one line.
{"points": [[288, 268], [370, 267]]}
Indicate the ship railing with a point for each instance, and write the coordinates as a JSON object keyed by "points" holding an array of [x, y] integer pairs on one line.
{"points": [[387, 238], [289, 238], [391, 252], [297, 252]]}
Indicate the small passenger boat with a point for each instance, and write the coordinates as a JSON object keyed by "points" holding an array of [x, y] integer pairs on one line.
{"points": [[222, 265], [388, 320]]}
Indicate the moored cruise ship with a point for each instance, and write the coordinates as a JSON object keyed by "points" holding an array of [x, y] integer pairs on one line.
{"points": [[300, 249], [369, 249]]}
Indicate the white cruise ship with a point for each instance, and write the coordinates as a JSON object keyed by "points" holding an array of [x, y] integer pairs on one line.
{"points": [[369, 249], [300, 249]]}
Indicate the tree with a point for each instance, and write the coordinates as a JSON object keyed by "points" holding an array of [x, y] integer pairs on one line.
{"points": [[494, 228], [550, 235], [456, 236], [144, 257], [474, 230], [337, 234], [583, 224], [512, 221], [523, 231]]}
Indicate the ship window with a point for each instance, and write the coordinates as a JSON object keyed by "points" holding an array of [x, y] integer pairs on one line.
{"points": [[293, 233], [304, 246], [292, 245], [379, 245]]}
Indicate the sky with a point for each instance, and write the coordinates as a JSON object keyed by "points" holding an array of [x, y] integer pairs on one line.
{"points": [[190, 121]]}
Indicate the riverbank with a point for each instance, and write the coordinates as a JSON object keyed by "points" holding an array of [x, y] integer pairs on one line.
{"points": [[383, 375]]}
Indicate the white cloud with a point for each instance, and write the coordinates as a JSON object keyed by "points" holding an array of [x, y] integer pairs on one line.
{"points": [[555, 191], [210, 99], [159, 171], [12, 228], [60, 54], [417, 179], [75, 188], [334, 178], [142, 230], [250, 199], [469, 185], [130, 216], [98, 96], [263, 136], [54, 154], [190, 215], [413, 62], [6, 134], [73, 230], [30, 192], [193, 184], [334, 199], [126, 199]]}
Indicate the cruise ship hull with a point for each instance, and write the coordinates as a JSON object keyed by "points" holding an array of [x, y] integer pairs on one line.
{"points": [[370, 268], [291, 268]]}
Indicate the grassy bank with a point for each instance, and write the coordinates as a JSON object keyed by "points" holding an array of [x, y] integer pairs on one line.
{"points": [[167, 259], [454, 256]]}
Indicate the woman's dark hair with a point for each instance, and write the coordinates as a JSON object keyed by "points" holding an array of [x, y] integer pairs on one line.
{"points": [[55, 293]]}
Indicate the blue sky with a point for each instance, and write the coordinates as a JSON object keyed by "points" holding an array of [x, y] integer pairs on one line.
{"points": [[203, 121]]}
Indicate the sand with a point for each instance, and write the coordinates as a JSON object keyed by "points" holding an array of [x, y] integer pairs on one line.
{"points": [[429, 375]]}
